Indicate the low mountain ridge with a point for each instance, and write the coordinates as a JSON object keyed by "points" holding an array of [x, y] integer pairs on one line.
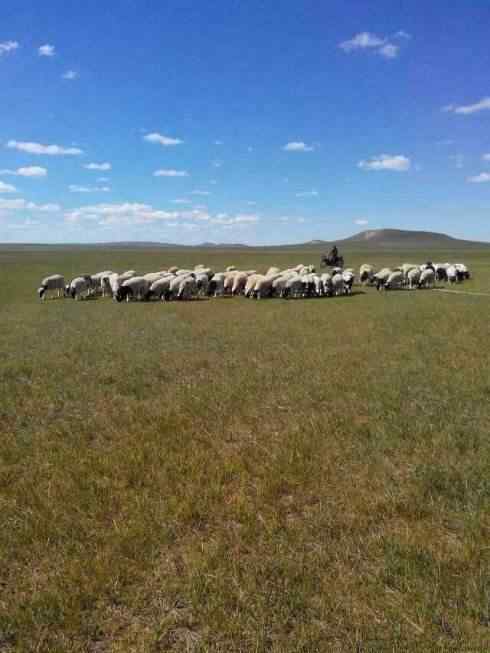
{"points": [[397, 238]]}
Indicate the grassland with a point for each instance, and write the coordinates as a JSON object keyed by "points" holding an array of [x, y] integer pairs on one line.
{"points": [[232, 475]]}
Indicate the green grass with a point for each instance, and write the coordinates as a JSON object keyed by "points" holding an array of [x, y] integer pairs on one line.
{"points": [[232, 475]]}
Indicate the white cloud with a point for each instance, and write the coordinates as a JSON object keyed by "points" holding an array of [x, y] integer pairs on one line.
{"points": [[482, 178], [361, 41], [297, 146], [217, 164], [166, 141], [8, 46], [29, 171], [170, 173], [361, 222], [47, 50], [242, 218], [182, 200], [389, 51], [102, 180], [486, 157], [201, 192], [70, 74], [307, 193], [98, 166], [132, 213], [38, 148], [7, 188], [74, 188], [369, 41], [21, 204], [218, 142], [397, 162], [468, 109]]}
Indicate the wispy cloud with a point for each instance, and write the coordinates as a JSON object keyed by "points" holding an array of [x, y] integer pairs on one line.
{"points": [[74, 188], [486, 157], [133, 213], [396, 162], [217, 164], [379, 44], [7, 188], [182, 200], [22, 205], [389, 51], [166, 141], [242, 218], [47, 50], [38, 148], [297, 146], [29, 171], [361, 222], [201, 192], [482, 178], [307, 193], [458, 160], [171, 173], [98, 166], [70, 75], [8, 46], [361, 41], [218, 142], [466, 110]]}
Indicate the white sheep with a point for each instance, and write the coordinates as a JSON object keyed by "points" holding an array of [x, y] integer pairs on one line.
{"points": [[239, 283], [380, 277], [452, 274], [462, 271], [263, 287], [55, 282], [337, 284], [271, 271], [154, 276], [348, 277], [366, 273], [134, 288], [202, 282], [413, 278], [161, 288], [79, 287], [395, 280], [187, 288], [427, 278], [294, 287], [217, 284]]}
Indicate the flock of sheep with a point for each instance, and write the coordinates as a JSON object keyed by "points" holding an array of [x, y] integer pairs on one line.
{"points": [[297, 282], [410, 275]]}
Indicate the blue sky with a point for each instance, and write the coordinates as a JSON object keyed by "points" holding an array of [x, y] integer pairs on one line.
{"points": [[253, 122]]}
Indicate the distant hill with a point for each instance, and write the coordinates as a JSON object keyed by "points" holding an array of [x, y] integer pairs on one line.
{"points": [[371, 238], [399, 238]]}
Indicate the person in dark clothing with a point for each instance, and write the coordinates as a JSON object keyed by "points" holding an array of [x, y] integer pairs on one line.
{"points": [[334, 252]]}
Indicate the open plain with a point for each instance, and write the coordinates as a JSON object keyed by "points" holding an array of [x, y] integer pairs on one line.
{"points": [[239, 475]]}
